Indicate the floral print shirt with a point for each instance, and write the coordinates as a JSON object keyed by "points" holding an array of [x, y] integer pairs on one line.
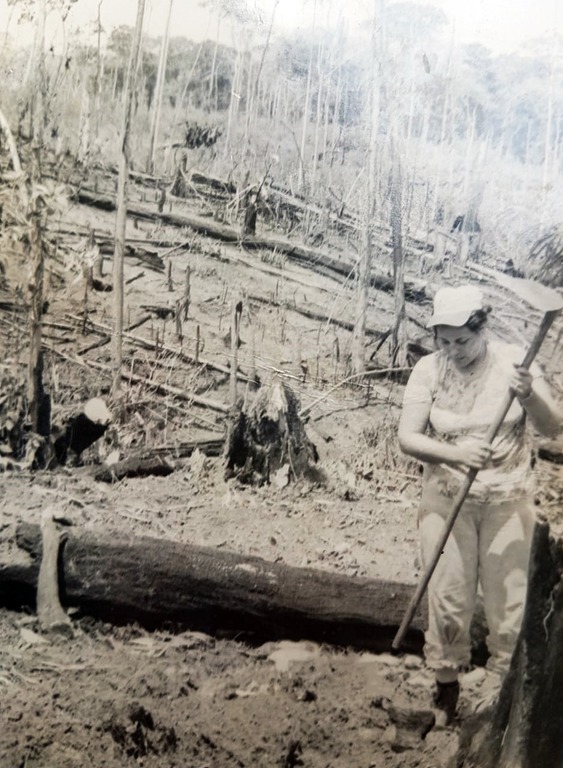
{"points": [[462, 404]]}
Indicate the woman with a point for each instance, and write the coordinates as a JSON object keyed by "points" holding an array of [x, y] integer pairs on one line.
{"points": [[451, 398]]}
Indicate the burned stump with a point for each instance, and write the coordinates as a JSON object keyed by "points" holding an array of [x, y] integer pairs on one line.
{"points": [[523, 729], [82, 430], [268, 439]]}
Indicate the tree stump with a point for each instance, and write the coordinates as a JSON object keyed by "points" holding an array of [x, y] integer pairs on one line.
{"points": [[82, 430], [268, 439], [523, 729]]}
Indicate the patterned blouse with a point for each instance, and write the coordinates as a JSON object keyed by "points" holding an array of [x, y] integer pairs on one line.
{"points": [[464, 404]]}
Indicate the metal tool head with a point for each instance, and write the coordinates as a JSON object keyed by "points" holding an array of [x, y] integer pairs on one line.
{"points": [[539, 296]]}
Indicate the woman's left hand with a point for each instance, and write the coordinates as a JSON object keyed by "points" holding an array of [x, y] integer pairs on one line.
{"points": [[521, 382]]}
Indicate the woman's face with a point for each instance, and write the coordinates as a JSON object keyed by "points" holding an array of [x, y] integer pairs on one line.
{"points": [[461, 345]]}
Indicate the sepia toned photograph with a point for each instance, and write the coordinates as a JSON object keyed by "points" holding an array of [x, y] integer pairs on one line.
{"points": [[281, 384]]}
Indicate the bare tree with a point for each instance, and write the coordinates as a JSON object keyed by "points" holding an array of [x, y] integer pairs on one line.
{"points": [[35, 374], [399, 334], [159, 90], [121, 216], [306, 107], [366, 254]]}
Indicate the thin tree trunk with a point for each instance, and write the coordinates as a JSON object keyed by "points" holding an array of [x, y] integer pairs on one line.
{"points": [[547, 158], [121, 216], [306, 106], [317, 121], [364, 267], [399, 335], [99, 70], [469, 156], [236, 312], [212, 75], [234, 101], [159, 90], [84, 125], [180, 101], [265, 49], [248, 107], [35, 372]]}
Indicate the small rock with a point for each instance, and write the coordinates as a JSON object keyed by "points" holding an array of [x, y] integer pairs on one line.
{"points": [[399, 740], [474, 677], [421, 680], [32, 638], [441, 721], [288, 653], [280, 479], [390, 733], [307, 695], [443, 742], [418, 721], [385, 659]]}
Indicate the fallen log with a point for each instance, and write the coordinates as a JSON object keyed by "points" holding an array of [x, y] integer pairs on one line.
{"points": [[320, 316], [140, 341], [159, 582], [212, 446], [164, 389], [320, 262], [135, 467]]}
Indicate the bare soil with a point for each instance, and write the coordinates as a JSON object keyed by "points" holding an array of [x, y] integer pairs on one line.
{"points": [[118, 696]]}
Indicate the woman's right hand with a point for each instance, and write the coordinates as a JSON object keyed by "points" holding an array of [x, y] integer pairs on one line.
{"points": [[472, 452]]}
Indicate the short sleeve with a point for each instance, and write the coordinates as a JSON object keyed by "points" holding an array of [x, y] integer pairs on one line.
{"points": [[419, 389]]}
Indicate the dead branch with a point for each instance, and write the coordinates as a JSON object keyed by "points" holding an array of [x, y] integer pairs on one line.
{"points": [[165, 389]]}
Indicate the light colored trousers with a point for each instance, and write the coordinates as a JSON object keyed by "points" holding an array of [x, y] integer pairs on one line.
{"points": [[489, 545]]}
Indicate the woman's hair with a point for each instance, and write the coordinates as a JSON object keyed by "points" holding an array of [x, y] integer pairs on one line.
{"points": [[477, 320]]}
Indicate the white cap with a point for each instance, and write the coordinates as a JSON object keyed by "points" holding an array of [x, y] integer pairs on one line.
{"points": [[454, 306]]}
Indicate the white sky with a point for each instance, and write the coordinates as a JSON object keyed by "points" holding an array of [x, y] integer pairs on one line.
{"points": [[501, 25]]}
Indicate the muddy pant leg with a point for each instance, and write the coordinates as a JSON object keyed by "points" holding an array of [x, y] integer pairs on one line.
{"points": [[452, 588], [505, 538]]}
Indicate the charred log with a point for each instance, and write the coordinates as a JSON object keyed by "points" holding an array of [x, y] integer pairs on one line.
{"points": [[135, 467], [319, 262], [523, 729], [158, 582]]}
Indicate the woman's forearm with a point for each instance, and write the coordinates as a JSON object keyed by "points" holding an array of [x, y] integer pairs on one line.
{"points": [[544, 414], [428, 449]]}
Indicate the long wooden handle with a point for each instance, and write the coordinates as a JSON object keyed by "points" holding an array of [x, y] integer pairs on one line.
{"points": [[461, 495]]}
